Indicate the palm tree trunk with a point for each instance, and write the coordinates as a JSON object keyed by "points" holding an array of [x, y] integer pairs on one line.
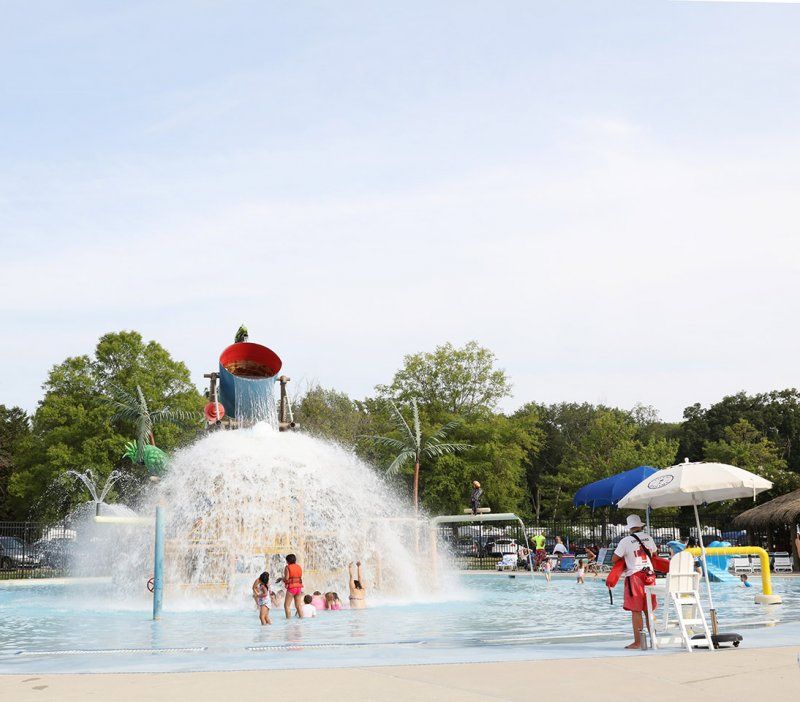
{"points": [[416, 486]]}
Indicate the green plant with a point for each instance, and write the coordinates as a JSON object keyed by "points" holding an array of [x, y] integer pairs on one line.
{"points": [[130, 408], [414, 445]]}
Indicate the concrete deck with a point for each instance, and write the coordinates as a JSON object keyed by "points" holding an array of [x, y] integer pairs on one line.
{"points": [[703, 676]]}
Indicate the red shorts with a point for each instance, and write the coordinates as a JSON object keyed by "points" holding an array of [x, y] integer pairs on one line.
{"points": [[635, 598]]}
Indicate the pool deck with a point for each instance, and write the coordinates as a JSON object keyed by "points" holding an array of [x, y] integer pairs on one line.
{"points": [[728, 674]]}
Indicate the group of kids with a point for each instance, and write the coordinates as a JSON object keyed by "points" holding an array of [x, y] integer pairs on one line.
{"points": [[306, 606]]}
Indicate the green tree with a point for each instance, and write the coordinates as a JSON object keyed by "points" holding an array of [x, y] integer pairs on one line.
{"points": [[14, 425], [74, 426], [746, 447], [413, 445], [775, 414], [608, 446], [500, 447], [456, 381], [333, 415]]}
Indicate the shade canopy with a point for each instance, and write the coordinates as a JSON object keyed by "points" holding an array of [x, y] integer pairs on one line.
{"points": [[782, 511], [694, 484], [608, 491]]}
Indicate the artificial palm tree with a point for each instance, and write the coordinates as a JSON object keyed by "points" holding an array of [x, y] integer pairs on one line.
{"points": [[133, 408], [414, 445]]}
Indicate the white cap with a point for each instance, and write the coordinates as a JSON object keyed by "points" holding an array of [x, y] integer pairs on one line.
{"points": [[634, 521]]}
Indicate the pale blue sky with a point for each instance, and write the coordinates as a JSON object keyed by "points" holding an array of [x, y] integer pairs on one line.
{"points": [[605, 194]]}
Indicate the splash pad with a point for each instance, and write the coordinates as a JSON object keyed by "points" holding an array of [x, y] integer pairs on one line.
{"points": [[249, 492]]}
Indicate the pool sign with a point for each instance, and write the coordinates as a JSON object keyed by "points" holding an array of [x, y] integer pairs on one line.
{"points": [[660, 481]]}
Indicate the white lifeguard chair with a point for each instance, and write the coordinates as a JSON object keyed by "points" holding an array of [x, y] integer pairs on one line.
{"points": [[681, 593]]}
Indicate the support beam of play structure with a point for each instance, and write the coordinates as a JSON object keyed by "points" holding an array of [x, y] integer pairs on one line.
{"points": [[766, 596], [465, 518], [158, 559]]}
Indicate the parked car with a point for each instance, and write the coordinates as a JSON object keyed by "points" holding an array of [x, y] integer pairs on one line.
{"points": [[466, 546], [14, 554], [55, 553]]}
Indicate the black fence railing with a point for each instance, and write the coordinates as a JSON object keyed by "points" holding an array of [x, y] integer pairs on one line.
{"points": [[34, 550], [482, 545], [37, 550]]}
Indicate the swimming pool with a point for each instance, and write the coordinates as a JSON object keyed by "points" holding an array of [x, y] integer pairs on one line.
{"points": [[80, 628]]}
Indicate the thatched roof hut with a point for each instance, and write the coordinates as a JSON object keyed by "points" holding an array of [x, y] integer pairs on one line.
{"points": [[782, 511]]}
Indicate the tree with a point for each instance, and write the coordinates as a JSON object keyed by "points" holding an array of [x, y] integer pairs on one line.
{"points": [[74, 426], [14, 425], [775, 414], [450, 380], [500, 447], [609, 446], [133, 408], [414, 445], [746, 447], [333, 415]]}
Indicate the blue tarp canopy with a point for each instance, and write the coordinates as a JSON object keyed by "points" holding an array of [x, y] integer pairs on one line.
{"points": [[609, 491]]}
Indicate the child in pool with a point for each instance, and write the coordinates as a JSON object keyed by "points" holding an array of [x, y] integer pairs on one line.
{"points": [[308, 610], [581, 572], [743, 578], [293, 582], [547, 567], [264, 597], [318, 600], [332, 601]]}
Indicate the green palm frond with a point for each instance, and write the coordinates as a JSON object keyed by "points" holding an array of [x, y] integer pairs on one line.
{"points": [[435, 448], [400, 421], [401, 460], [441, 433], [388, 442]]}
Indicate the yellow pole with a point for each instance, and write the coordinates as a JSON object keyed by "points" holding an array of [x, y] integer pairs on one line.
{"points": [[766, 578]]}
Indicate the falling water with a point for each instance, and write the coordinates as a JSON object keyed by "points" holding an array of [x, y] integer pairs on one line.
{"points": [[238, 501]]}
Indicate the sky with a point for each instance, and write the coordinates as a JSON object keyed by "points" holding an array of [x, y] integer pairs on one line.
{"points": [[602, 193]]}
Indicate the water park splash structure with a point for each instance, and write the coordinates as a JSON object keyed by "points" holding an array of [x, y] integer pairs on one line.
{"points": [[236, 502]]}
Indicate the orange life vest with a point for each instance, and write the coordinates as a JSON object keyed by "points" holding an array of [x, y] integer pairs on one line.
{"points": [[295, 578]]}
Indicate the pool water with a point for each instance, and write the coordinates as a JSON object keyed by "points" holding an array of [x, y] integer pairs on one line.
{"points": [[80, 628]]}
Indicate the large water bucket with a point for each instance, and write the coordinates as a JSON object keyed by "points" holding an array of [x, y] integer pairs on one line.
{"points": [[246, 373]]}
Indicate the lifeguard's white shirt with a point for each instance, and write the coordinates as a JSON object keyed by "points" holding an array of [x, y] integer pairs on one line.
{"points": [[634, 555]]}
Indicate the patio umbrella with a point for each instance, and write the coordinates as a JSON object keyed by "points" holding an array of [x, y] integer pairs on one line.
{"points": [[608, 491], [695, 484]]}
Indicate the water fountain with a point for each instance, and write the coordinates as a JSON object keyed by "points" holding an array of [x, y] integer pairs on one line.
{"points": [[236, 502]]}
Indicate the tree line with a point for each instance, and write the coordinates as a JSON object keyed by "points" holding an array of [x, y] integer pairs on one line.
{"points": [[530, 461]]}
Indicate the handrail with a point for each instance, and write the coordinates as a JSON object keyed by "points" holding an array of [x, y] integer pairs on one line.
{"points": [[767, 596]]}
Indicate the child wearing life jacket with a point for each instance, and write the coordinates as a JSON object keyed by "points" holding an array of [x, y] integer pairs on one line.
{"points": [[293, 581]]}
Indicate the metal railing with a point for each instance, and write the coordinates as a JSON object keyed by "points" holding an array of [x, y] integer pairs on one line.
{"points": [[482, 545]]}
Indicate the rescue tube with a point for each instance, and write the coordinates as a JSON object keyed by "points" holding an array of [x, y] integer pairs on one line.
{"points": [[616, 573]]}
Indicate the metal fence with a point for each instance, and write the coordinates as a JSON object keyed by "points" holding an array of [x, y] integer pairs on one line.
{"points": [[34, 550], [482, 545], [37, 550]]}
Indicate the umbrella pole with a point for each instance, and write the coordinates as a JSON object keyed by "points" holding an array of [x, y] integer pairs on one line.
{"points": [[711, 609], [647, 518]]}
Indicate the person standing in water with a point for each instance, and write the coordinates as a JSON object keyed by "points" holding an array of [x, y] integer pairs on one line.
{"points": [[293, 582], [477, 494], [264, 597], [357, 591]]}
